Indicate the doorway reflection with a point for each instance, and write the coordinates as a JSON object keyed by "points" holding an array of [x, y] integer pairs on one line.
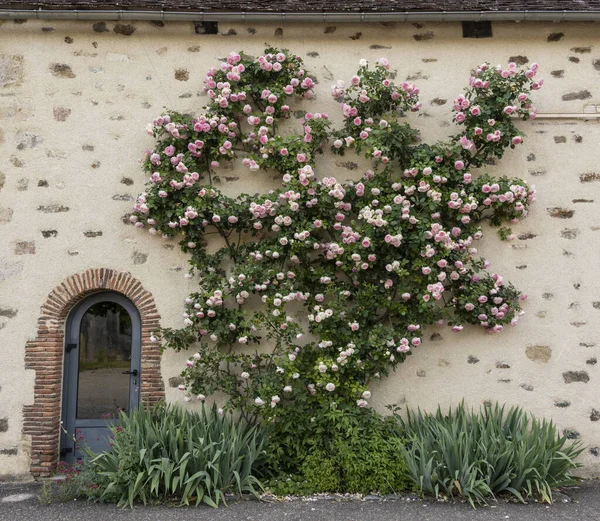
{"points": [[105, 341]]}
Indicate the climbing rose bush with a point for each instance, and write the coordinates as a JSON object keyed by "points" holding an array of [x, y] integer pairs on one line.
{"points": [[320, 286]]}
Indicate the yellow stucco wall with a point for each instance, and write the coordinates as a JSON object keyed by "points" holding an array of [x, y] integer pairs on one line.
{"points": [[73, 137]]}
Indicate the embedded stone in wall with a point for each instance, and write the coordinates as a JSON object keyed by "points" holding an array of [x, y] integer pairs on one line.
{"points": [[3, 424], [9, 452], [589, 177], [596, 64], [576, 376], [526, 236], [563, 404], [19, 163], [569, 233], [53, 208], [25, 248], [581, 50], [176, 381], [46, 234], [579, 95], [539, 354], [8, 312], [555, 37], [22, 184], [92, 234], [100, 27], [560, 213], [61, 113], [27, 140], [472, 359], [438, 101], [502, 365], [11, 70], [429, 35], [560, 139], [42, 183], [139, 258], [5, 215], [594, 415], [527, 387], [182, 75], [348, 165], [519, 60], [591, 361], [122, 197], [124, 29], [61, 70]]}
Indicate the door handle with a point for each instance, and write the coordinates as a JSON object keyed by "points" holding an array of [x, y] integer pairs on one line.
{"points": [[134, 372]]}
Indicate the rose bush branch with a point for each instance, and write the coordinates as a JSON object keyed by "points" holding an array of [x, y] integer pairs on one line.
{"points": [[322, 286]]}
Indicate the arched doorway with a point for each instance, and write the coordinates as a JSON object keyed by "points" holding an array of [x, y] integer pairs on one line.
{"points": [[101, 371], [45, 353]]}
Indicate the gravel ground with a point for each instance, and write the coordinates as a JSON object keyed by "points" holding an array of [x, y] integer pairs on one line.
{"points": [[19, 502]]}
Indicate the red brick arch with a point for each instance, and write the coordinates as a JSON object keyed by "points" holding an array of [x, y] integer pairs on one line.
{"points": [[44, 355]]}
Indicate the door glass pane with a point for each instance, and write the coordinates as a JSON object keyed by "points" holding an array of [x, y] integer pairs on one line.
{"points": [[104, 353]]}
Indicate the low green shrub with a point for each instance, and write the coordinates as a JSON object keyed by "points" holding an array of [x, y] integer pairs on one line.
{"points": [[477, 455], [170, 453], [73, 482], [342, 450]]}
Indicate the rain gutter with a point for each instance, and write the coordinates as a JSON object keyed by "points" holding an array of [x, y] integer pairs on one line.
{"points": [[301, 17]]}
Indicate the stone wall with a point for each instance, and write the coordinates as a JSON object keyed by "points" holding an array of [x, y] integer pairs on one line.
{"points": [[75, 98]]}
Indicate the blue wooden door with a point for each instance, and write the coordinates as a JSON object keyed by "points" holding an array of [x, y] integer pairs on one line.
{"points": [[101, 372]]}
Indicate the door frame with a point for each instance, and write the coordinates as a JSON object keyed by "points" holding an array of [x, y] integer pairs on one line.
{"points": [[71, 367]]}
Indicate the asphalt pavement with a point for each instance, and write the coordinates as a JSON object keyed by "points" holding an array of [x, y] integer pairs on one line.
{"points": [[578, 503]]}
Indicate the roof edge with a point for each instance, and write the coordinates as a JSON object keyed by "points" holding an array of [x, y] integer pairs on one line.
{"points": [[314, 17]]}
